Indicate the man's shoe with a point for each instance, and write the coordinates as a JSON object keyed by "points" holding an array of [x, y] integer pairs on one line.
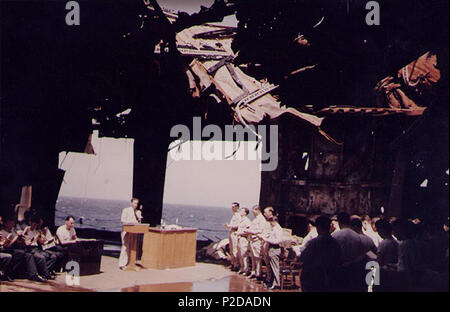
{"points": [[234, 269], [37, 278], [267, 285], [274, 287]]}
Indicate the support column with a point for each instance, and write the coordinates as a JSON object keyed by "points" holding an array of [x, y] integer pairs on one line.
{"points": [[398, 178], [271, 188], [149, 171], [45, 195]]}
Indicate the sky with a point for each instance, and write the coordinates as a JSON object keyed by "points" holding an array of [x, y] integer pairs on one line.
{"points": [[193, 6], [109, 175], [185, 5]]}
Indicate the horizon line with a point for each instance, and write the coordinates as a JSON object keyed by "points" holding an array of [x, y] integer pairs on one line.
{"points": [[115, 199]]}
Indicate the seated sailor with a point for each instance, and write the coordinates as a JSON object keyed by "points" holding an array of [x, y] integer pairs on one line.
{"points": [[35, 266], [66, 233]]}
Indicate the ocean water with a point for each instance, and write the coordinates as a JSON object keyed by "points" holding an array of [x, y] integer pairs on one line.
{"points": [[105, 214]]}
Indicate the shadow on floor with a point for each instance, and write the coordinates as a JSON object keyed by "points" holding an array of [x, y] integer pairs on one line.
{"points": [[234, 283]]}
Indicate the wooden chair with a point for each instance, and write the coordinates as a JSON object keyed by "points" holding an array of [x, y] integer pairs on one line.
{"points": [[289, 271]]}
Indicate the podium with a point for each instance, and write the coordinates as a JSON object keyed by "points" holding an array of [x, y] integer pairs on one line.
{"points": [[132, 231], [168, 249], [161, 248]]}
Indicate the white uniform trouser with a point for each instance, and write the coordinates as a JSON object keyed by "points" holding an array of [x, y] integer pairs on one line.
{"points": [[234, 249], [274, 261], [243, 254], [265, 257], [256, 246], [125, 250]]}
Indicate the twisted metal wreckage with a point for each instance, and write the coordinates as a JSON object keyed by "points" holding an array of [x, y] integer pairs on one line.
{"points": [[290, 63]]}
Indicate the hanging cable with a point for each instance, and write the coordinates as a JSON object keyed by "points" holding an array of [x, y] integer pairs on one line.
{"points": [[86, 184], [63, 160], [99, 154], [235, 151]]}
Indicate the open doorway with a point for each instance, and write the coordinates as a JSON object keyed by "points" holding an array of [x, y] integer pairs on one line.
{"points": [[96, 187], [199, 193]]}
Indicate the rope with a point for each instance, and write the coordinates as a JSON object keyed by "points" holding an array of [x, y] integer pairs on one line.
{"points": [[241, 119], [235, 151], [406, 76]]}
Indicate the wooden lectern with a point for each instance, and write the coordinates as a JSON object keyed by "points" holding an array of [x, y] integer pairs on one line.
{"points": [[132, 232], [167, 249]]}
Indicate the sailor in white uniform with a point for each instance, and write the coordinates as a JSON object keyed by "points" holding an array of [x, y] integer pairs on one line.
{"points": [[129, 217], [243, 248], [233, 238], [258, 226], [268, 213], [274, 239], [66, 233]]}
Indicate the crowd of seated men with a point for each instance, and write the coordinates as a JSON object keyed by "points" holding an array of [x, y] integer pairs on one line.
{"points": [[340, 253], [29, 250], [337, 254]]}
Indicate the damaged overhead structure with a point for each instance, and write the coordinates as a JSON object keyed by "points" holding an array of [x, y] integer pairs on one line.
{"points": [[361, 110]]}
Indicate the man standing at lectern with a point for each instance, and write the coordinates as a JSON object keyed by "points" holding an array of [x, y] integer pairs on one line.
{"points": [[129, 217]]}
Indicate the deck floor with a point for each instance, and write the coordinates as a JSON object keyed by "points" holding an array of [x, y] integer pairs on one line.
{"points": [[203, 277]]}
